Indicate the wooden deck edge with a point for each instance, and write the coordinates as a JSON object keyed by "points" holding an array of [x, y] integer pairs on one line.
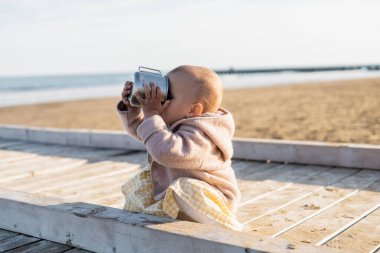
{"points": [[104, 229], [302, 152], [348, 155], [75, 137]]}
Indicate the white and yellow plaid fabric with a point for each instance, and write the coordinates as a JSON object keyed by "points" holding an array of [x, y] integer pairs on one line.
{"points": [[207, 200]]}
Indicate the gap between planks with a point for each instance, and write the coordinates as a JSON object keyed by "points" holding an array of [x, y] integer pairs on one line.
{"points": [[322, 210], [299, 198], [348, 225]]}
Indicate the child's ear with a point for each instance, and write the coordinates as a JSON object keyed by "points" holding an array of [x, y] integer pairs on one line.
{"points": [[195, 110]]}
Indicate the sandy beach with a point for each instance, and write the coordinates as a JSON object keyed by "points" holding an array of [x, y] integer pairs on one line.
{"points": [[333, 111]]}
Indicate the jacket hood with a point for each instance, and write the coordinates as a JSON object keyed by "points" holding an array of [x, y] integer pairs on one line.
{"points": [[219, 127]]}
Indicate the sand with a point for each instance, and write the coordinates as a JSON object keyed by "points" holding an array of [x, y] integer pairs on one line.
{"points": [[332, 111]]}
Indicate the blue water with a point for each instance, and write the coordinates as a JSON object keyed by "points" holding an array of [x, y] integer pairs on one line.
{"points": [[44, 89], [34, 83]]}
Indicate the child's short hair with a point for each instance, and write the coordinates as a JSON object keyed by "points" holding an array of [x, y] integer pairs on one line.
{"points": [[209, 86]]}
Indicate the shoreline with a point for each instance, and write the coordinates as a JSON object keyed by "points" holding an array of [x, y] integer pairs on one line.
{"points": [[344, 111], [72, 92]]}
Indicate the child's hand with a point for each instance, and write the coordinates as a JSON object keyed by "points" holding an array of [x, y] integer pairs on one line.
{"points": [[151, 104], [126, 92]]}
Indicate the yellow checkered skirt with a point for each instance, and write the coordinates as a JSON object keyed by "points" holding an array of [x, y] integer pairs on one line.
{"points": [[205, 199]]}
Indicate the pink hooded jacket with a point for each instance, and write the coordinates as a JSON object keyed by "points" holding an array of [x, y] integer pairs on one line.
{"points": [[199, 147]]}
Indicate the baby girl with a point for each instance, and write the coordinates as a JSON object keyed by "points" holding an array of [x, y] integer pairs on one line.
{"points": [[189, 144]]}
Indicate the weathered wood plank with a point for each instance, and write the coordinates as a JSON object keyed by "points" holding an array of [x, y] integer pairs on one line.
{"points": [[21, 164], [90, 154], [304, 152], [91, 138], [272, 180], [63, 176], [106, 190], [38, 167], [21, 161], [335, 217], [115, 201], [115, 230], [63, 167], [60, 179], [6, 153], [91, 186], [243, 168], [329, 197], [42, 246], [307, 152], [4, 234], [15, 160], [15, 132], [11, 144], [327, 188], [76, 250], [361, 237], [8, 143], [67, 151], [16, 241]]}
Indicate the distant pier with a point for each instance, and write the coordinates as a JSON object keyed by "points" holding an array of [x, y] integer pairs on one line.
{"points": [[372, 67]]}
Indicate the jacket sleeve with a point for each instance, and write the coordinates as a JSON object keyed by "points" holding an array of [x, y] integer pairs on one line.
{"points": [[184, 149], [131, 119]]}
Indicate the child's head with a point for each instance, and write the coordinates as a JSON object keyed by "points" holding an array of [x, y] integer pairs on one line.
{"points": [[195, 90]]}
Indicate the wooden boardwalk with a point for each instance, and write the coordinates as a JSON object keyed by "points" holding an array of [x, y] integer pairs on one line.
{"points": [[12, 242], [305, 205]]}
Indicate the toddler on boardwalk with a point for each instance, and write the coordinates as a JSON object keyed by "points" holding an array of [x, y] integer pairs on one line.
{"points": [[189, 144]]}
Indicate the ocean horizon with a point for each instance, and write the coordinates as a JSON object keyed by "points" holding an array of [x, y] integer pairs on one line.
{"points": [[45, 89]]}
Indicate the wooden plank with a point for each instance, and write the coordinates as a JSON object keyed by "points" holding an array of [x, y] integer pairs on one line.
{"points": [[39, 164], [63, 176], [106, 187], [41, 246], [273, 179], [91, 138], [361, 237], [92, 154], [76, 250], [115, 201], [349, 224], [111, 187], [37, 167], [91, 186], [242, 168], [8, 143], [20, 162], [325, 199], [115, 230], [285, 193], [4, 154], [61, 179], [280, 216], [4, 234], [16, 241], [336, 216], [15, 159], [307, 152], [50, 176], [26, 147], [13, 132], [303, 152], [12, 144], [106, 190], [276, 212]]}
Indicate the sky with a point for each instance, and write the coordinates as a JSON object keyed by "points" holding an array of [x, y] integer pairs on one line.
{"points": [[47, 37]]}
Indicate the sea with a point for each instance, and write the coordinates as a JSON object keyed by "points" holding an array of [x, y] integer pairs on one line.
{"points": [[25, 90]]}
